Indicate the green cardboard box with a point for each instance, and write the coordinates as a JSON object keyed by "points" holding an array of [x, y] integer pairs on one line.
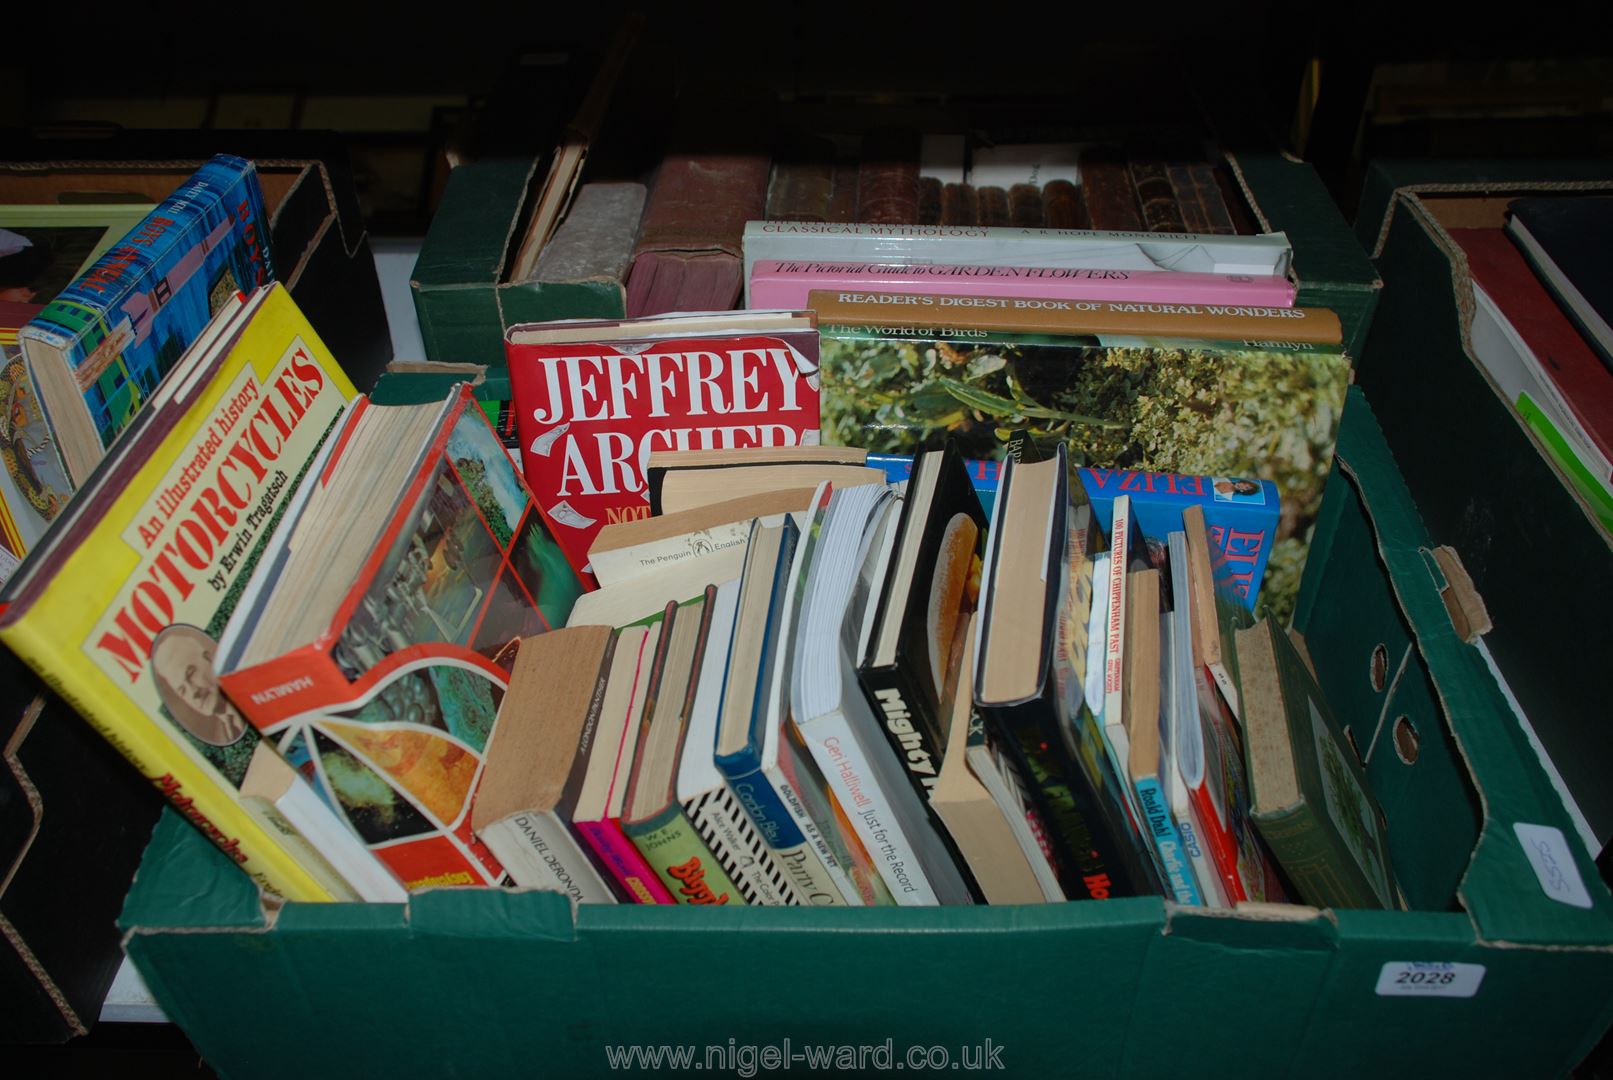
{"points": [[1478, 473], [460, 293], [1490, 975], [464, 304]]}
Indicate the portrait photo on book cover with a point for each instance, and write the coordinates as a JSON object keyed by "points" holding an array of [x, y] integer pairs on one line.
{"points": [[1232, 490], [182, 671]]}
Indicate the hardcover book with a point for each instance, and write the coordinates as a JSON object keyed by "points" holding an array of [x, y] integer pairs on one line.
{"points": [[592, 408], [121, 605], [1309, 795], [98, 350], [1266, 411], [1562, 239], [786, 283], [374, 647]]}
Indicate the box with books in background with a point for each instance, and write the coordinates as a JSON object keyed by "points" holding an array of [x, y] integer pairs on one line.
{"points": [[1499, 408], [1472, 832]]}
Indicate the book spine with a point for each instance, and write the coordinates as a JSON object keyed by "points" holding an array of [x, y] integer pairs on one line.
{"points": [[741, 851], [784, 283], [783, 822], [618, 854], [958, 205], [1061, 316], [1111, 198], [1156, 197], [537, 850], [682, 860], [1324, 875], [1167, 841], [888, 181], [289, 685], [218, 813], [1205, 872], [823, 822], [912, 734], [1062, 206], [1114, 655], [852, 778]]}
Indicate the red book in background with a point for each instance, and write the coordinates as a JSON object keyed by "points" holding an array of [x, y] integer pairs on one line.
{"points": [[689, 248], [593, 406], [1565, 357]]}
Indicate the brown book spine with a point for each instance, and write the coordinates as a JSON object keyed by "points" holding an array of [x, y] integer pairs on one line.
{"points": [[700, 202], [1110, 197], [800, 191], [929, 200], [991, 206], [958, 205], [1188, 199], [1025, 206], [1204, 322], [888, 180], [1242, 222], [1063, 207], [843, 196], [1156, 196]]}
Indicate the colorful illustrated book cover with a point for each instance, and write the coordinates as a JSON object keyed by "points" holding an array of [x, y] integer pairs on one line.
{"points": [[1241, 517], [122, 613], [1265, 411], [591, 414], [389, 711], [34, 485], [123, 323]]}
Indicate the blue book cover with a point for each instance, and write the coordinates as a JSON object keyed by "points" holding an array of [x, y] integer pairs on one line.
{"points": [[125, 321], [1241, 517], [983, 474]]}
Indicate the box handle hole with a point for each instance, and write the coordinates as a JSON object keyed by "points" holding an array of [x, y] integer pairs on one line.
{"points": [[1378, 668], [1406, 740]]}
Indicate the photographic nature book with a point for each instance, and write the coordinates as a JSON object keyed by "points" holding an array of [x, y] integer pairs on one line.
{"points": [[1309, 795], [99, 348], [1265, 410], [538, 761], [595, 398], [1241, 516], [654, 817], [374, 643], [120, 605], [929, 588], [832, 714], [1030, 664]]}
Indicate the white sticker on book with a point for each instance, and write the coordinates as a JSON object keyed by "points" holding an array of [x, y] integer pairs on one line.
{"points": [[1547, 850], [1429, 978]]}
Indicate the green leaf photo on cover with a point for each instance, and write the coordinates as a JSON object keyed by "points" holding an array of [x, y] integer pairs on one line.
{"points": [[1202, 408]]}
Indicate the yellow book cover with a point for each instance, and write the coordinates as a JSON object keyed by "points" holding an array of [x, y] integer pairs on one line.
{"points": [[120, 606]]}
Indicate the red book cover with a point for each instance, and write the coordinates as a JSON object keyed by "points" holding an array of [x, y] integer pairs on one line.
{"points": [[1579, 375], [388, 709], [590, 414]]}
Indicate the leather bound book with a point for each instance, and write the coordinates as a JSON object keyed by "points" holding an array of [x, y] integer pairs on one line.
{"points": [[1156, 196], [888, 180], [991, 206], [803, 182], [958, 205], [1063, 207], [1189, 199], [689, 249], [1242, 224], [929, 200], [843, 196], [1110, 197], [1025, 206]]}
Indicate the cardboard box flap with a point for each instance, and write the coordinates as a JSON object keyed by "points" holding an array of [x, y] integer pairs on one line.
{"points": [[184, 886], [1507, 896]]}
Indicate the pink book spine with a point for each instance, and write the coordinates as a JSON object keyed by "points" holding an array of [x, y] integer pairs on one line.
{"points": [[785, 283], [622, 857]]}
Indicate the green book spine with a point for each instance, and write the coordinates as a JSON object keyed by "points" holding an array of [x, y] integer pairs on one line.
{"points": [[668, 841], [1313, 862]]}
